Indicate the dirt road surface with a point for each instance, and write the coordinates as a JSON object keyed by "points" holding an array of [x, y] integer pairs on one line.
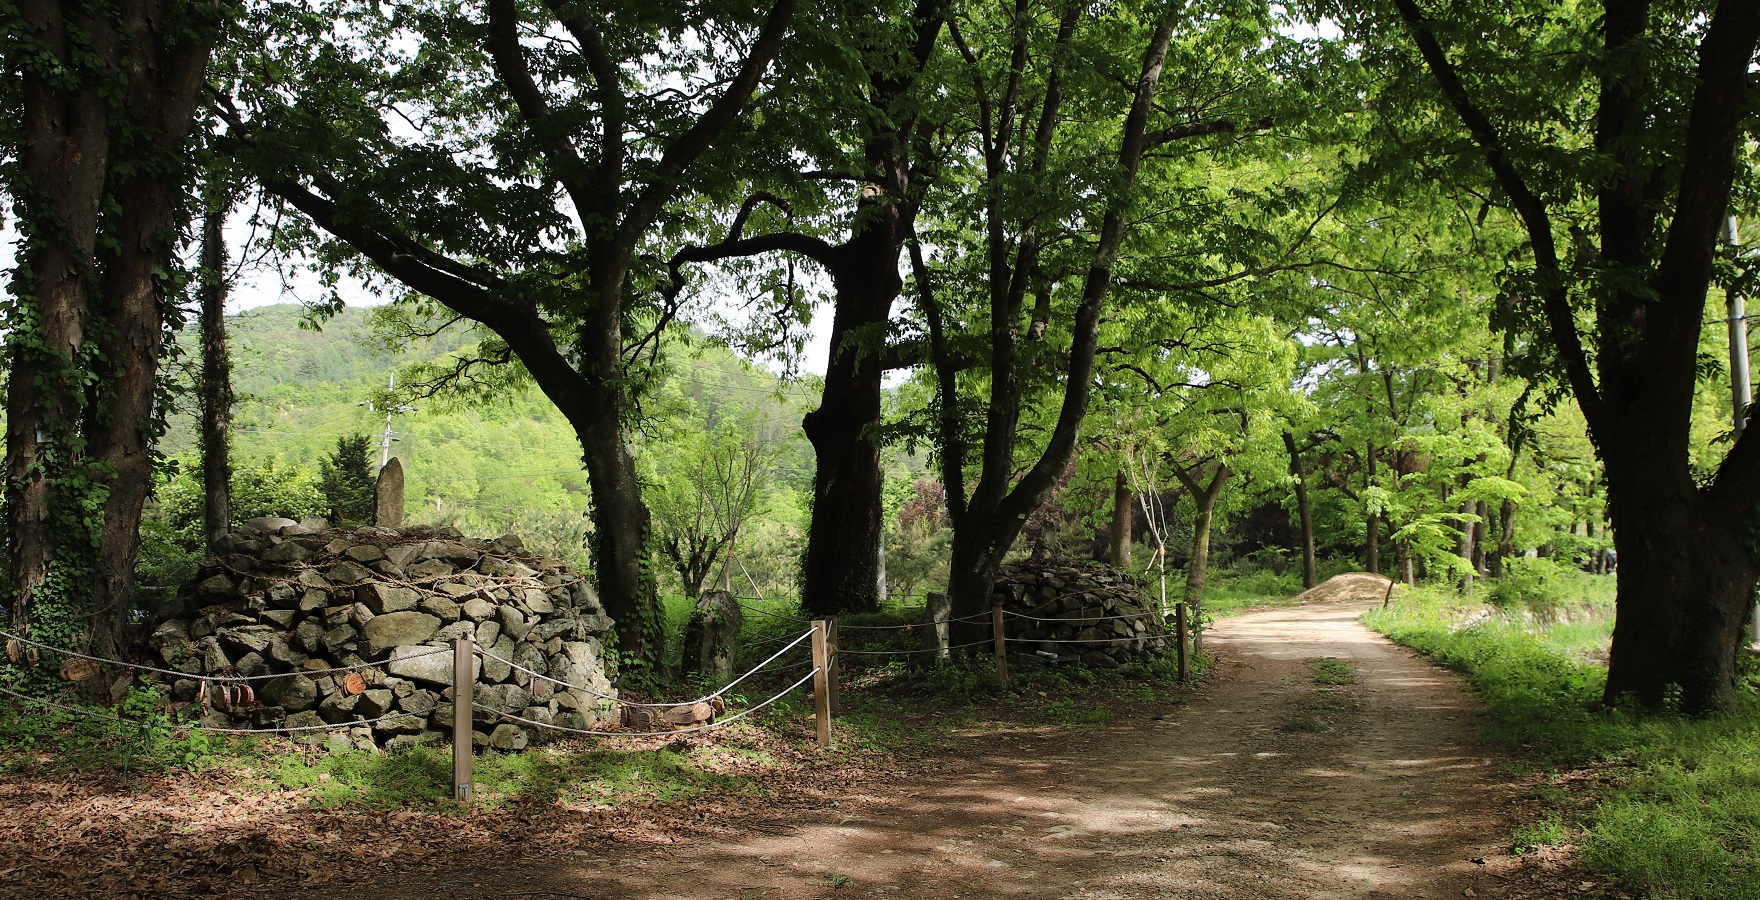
{"points": [[1268, 784]]}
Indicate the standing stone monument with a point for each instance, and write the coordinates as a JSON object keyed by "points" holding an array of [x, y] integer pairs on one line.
{"points": [[711, 640], [937, 617], [388, 496]]}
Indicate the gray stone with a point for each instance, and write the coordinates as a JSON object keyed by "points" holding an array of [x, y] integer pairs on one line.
{"points": [[530, 657], [441, 608], [214, 659], [429, 568], [507, 737], [364, 553], [488, 632], [388, 495], [400, 723], [433, 668], [508, 543], [538, 602], [456, 589], [389, 569], [419, 702], [280, 618], [339, 707], [937, 616], [454, 632], [313, 599], [287, 552], [477, 609], [403, 554], [451, 551], [495, 669], [266, 524], [384, 598], [539, 714], [349, 572], [283, 595], [402, 687], [214, 589], [309, 635], [311, 579], [360, 614], [399, 629], [251, 664], [281, 650], [340, 638], [402, 742], [291, 692], [375, 702]]}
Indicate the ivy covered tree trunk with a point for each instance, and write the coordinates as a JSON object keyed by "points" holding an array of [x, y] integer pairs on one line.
{"points": [[109, 95], [216, 381], [63, 160], [1204, 497]]}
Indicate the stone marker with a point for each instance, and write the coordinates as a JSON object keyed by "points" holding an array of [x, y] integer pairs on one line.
{"points": [[936, 613], [711, 640], [388, 496]]}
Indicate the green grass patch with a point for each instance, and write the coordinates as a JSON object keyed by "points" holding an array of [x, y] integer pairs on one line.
{"points": [[1682, 819], [1548, 832], [1326, 670]]}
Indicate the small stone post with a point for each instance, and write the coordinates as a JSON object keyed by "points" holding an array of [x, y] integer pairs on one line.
{"points": [[388, 495], [711, 640], [937, 613]]}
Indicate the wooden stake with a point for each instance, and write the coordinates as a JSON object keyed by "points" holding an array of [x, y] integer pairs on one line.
{"points": [[1183, 628], [821, 684], [1001, 639], [463, 680], [835, 666]]}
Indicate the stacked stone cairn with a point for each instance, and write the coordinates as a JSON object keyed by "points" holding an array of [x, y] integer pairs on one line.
{"points": [[1095, 606], [287, 598]]}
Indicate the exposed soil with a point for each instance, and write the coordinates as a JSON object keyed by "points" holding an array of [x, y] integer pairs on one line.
{"points": [[1267, 784]]}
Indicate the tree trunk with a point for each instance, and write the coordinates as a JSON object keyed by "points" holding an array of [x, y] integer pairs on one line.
{"points": [[216, 394], [1464, 548], [1373, 555], [1686, 580], [1199, 566], [1121, 520], [1309, 577], [63, 154], [841, 570]]}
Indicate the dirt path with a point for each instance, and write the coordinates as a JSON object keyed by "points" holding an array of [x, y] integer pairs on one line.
{"points": [[1268, 784]]}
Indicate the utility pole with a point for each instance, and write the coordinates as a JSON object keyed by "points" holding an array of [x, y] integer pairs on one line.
{"points": [[1740, 389], [391, 409]]}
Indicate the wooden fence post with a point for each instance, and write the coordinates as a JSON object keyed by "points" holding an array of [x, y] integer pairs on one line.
{"points": [[1000, 636], [821, 684], [1183, 627], [834, 668], [463, 655]]}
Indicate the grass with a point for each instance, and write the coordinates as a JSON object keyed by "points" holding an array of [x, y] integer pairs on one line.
{"points": [[1675, 810]]}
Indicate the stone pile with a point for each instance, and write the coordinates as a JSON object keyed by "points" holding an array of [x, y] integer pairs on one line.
{"points": [[1092, 613], [281, 597]]}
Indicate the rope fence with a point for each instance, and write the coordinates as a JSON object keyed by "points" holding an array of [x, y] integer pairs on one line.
{"points": [[192, 726]]}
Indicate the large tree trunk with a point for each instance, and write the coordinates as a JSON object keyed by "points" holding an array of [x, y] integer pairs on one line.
{"points": [[216, 392], [1121, 519], [1686, 580], [841, 571], [1309, 577], [64, 156]]}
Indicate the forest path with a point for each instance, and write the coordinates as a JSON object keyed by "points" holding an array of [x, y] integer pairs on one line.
{"points": [[1267, 784]]}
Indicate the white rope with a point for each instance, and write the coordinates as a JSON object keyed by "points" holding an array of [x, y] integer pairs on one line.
{"points": [[223, 678], [182, 726], [1142, 637], [909, 652], [721, 724], [791, 645]]}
